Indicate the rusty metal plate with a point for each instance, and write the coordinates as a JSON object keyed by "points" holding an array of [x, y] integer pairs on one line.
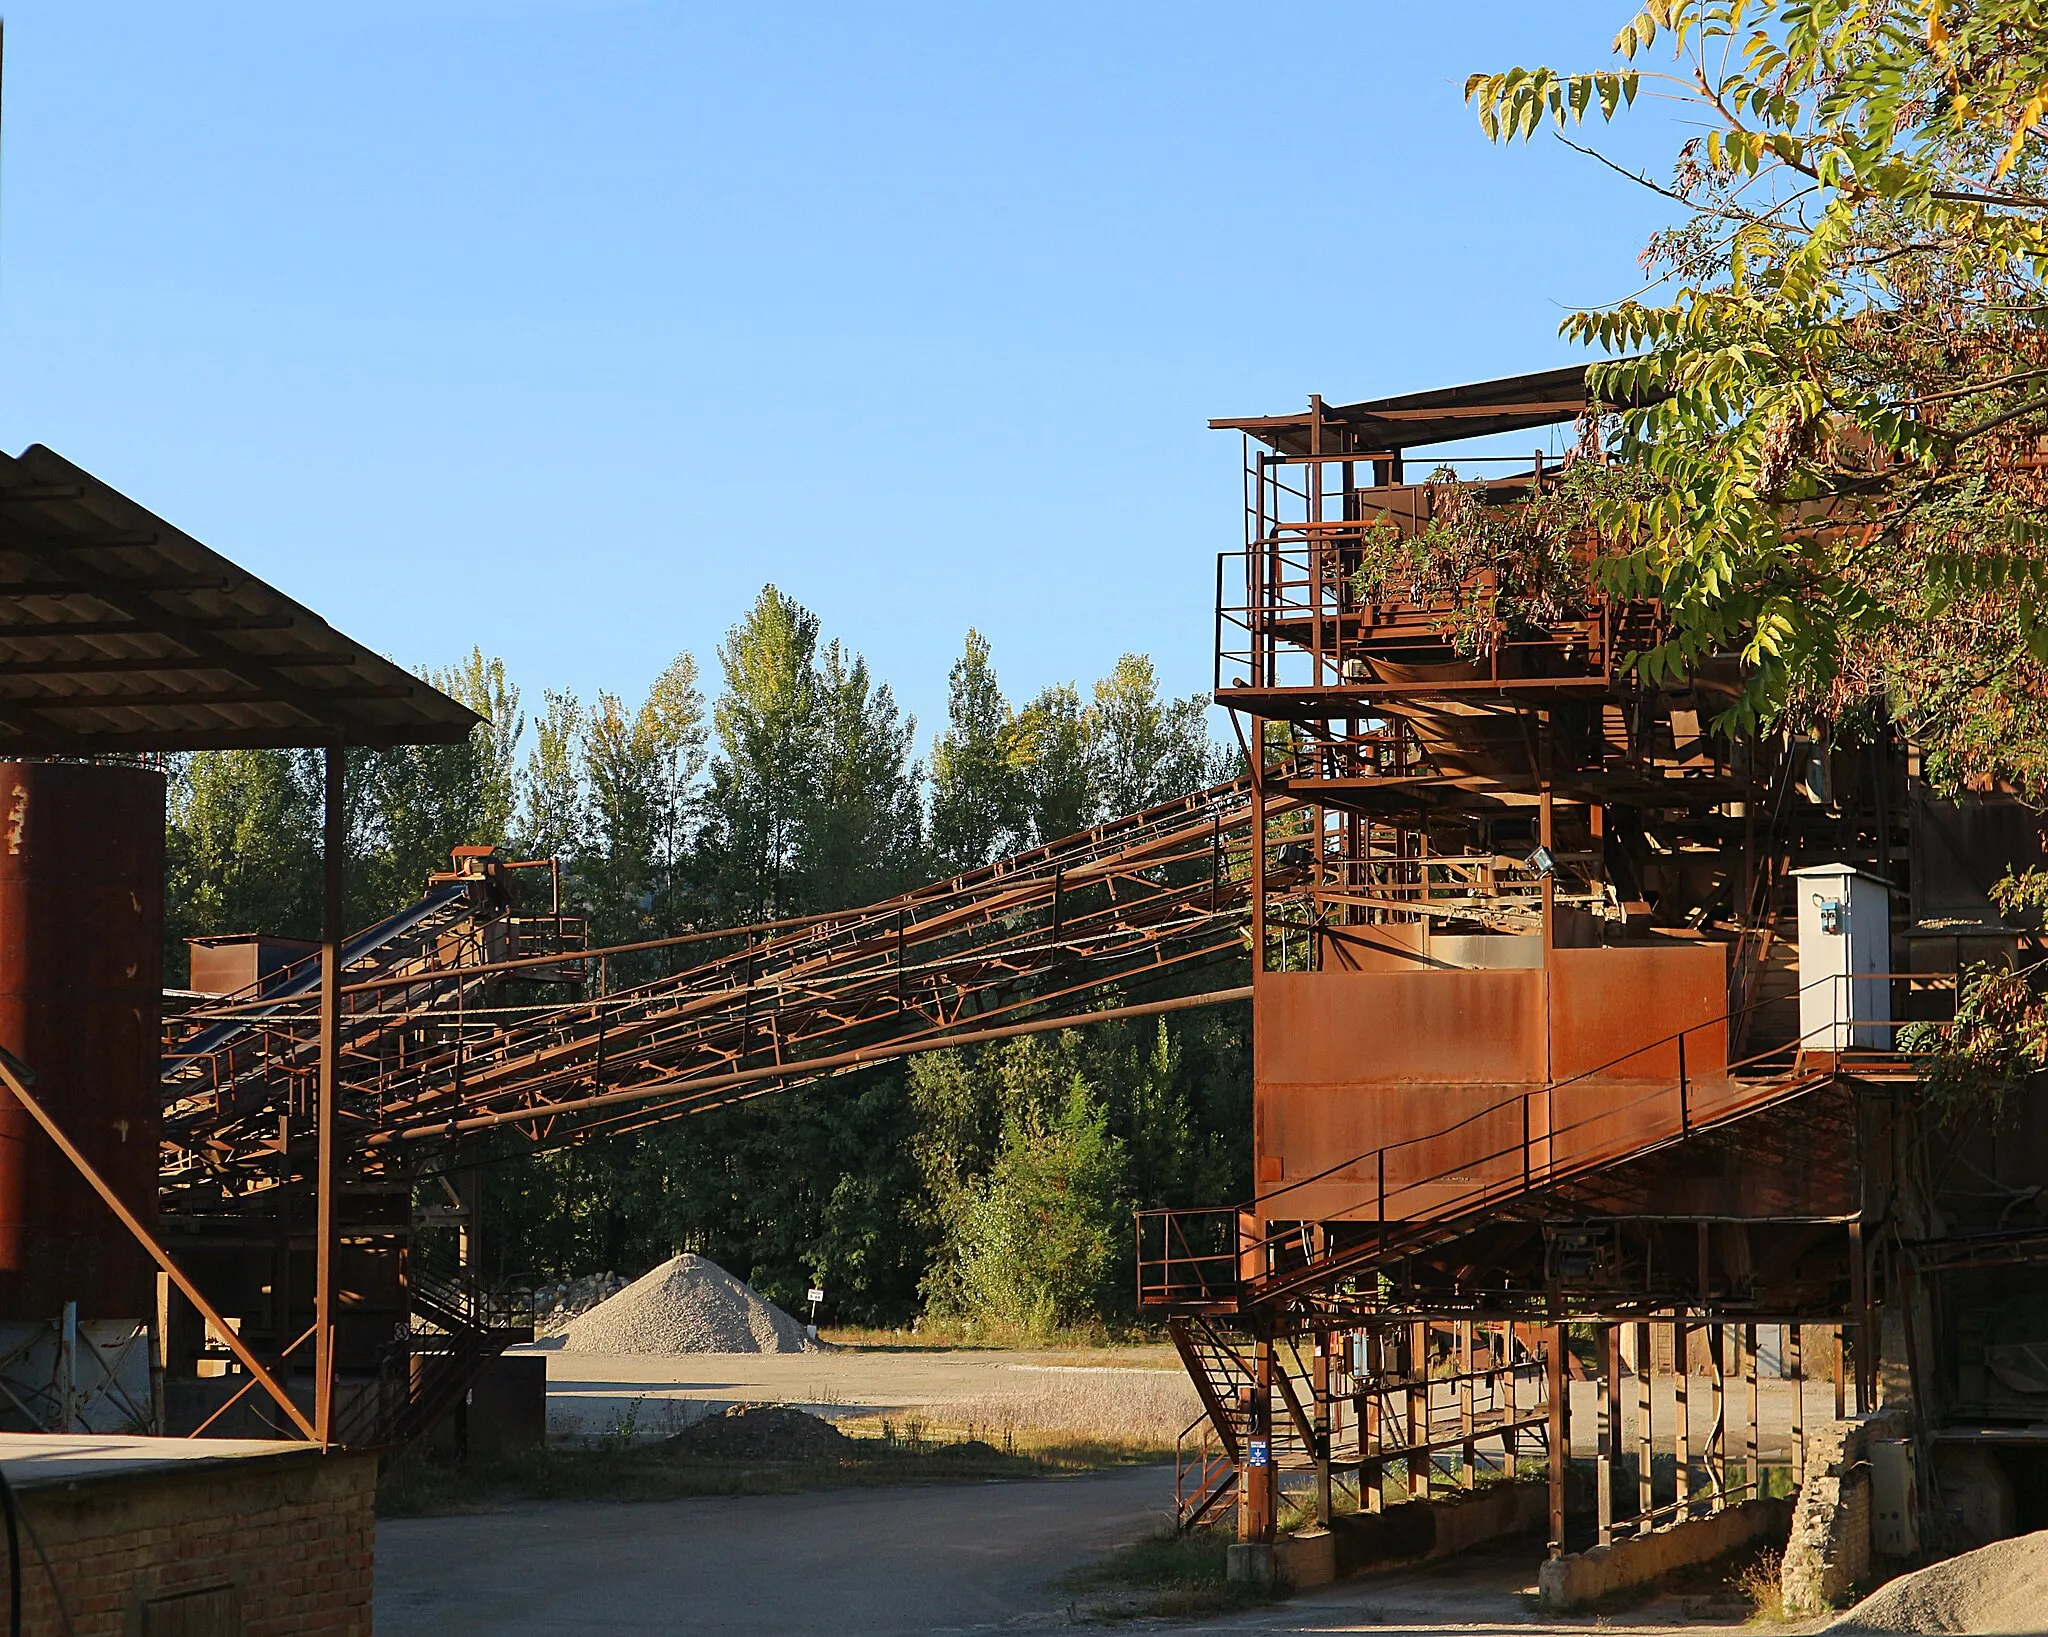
{"points": [[1438, 1028], [1612, 1011]]}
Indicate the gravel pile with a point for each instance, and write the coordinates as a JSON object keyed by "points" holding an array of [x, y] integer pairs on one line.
{"points": [[2000, 1588], [687, 1305], [555, 1305], [760, 1432]]}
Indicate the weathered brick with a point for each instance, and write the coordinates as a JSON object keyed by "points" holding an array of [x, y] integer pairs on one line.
{"points": [[291, 1532]]}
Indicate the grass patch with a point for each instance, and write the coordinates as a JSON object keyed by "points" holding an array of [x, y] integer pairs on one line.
{"points": [[416, 1485], [1168, 1573]]}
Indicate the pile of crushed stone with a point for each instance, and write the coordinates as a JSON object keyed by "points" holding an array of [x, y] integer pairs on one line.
{"points": [[760, 1432], [555, 1305], [2000, 1588], [687, 1305]]}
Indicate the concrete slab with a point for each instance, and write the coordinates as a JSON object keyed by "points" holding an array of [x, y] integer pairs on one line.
{"points": [[30, 1459]]}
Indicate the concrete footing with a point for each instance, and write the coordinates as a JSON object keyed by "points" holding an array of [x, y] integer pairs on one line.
{"points": [[1573, 1581], [1249, 1563]]}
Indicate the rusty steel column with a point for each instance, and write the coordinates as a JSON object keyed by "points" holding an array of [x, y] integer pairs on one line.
{"points": [[1645, 1422], [1420, 1459], [1558, 1435], [1795, 1366], [333, 837], [1607, 1341], [1321, 1420], [1752, 1416], [1681, 1416], [1258, 1515], [1468, 1448]]}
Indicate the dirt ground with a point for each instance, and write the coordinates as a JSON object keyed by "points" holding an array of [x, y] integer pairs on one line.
{"points": [[590, 1394]]}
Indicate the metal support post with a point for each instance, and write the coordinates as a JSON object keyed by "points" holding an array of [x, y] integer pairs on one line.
{"points": [[1259, 1517], [1468, 1449], [1752, 1462], [1319, 1383], [1419, 1459], [1795, 1367], [1681, 1414], [1717, 1421], [1607, 1338], [1644, 1445], [67, 1370], [333, 838], [1557, 1435]]}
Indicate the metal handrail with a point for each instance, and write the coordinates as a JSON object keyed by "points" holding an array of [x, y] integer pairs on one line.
{"points": [[1488, 1193]]}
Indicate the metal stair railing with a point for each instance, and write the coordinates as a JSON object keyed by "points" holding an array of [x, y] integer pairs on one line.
{"points": [[1185, 1272]]}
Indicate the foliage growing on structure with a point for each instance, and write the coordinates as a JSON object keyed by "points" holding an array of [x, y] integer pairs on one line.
{"points": [[1839, 389], [1511, 567], [1997, 1045]]}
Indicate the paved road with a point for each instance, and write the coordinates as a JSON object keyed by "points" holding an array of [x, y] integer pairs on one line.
{"points": [[936, 1558]]}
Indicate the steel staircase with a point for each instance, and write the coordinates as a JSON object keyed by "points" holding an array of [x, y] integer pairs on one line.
{"points": [[458, 1326]]}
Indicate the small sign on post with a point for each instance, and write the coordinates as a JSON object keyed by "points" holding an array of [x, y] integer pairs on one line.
{"points": [[816, 1294], [1258, 1452]]}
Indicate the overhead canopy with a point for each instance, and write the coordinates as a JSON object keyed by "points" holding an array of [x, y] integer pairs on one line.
{"points": [[1481, 409], [120, 633]]}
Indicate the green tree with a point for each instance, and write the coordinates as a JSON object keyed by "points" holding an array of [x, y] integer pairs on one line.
{"points": [[978, 788], [765, 725], [1056, 765], [553, 807], [1840, 361], [1038, 1244], [410, 804], [242, 848], [639, 766], [1147, 749], [862, 834]]}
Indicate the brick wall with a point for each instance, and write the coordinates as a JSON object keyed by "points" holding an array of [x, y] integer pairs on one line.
{"points": [[1829, 1554], [253, 1547]]}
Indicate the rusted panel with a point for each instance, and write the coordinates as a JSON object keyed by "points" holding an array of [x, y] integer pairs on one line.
{"points": [[1429, 1065], [227, 965], [1394, 947], [1441, 1141], [1607, 1005], [81, 978], [1438, 1028]]}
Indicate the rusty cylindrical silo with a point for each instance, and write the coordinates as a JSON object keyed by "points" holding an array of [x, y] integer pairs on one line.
{"points": [[81, 995]]}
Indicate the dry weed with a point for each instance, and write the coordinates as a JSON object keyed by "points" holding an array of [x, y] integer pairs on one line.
{"points": [[1762, 1585]]}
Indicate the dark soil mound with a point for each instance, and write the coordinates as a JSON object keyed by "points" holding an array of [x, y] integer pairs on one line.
{"points": [[760, 1432], [971, 1449]]}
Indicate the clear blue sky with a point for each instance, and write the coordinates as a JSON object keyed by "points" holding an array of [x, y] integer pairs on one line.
{"points": [[559, 326]]}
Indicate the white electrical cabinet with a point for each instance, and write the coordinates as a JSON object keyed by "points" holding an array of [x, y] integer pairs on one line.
{"points": [[1845, 956]]}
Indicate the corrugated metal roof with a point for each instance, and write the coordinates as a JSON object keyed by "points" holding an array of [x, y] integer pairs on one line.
{"points": [[1418, 419], [119, 632]]}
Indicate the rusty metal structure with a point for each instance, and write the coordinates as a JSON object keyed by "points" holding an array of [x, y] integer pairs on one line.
{"points": [[466, 1015], [1577, 1026], [123, 638], [1587, 1042]]}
